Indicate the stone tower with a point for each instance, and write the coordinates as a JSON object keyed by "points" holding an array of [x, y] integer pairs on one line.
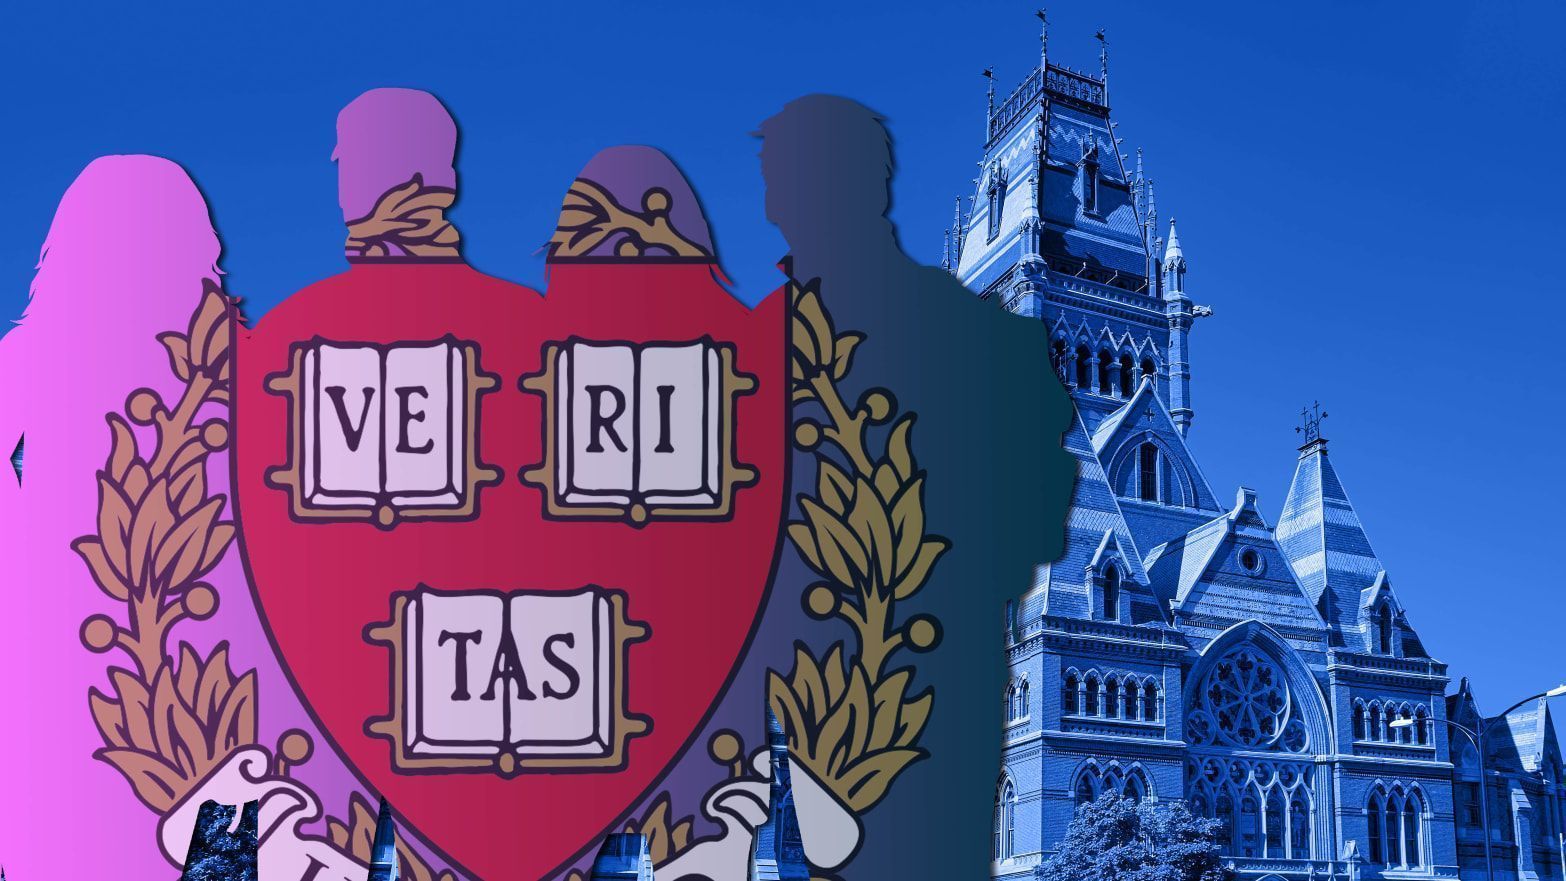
{"points": [[383, 852], [779, 850], [623, 857], [1059, 228]]}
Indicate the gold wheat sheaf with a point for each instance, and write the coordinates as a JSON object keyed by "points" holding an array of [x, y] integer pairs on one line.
{"points": [[851, 717], [171, 719]]}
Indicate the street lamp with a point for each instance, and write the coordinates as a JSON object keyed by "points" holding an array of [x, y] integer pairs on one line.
{"points": [[1484, 785]]}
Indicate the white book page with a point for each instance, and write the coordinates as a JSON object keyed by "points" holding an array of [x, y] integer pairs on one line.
{"points": [[555, 632], [417, 402], [673, 437], [346, 432], [458, 629], [601, 461]]}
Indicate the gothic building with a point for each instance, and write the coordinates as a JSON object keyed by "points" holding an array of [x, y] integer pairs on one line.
{"points": [[1183, 647]]}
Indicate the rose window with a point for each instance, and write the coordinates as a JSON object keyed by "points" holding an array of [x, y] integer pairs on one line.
{"points": [[1245, 703]]}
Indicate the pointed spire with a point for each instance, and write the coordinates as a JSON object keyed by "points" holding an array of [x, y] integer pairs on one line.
{"points": [[1323, 539], [1139, 186], [1173, 252], [1043, 16], [1103, 62], [383, 851], [777, 851], [954, 238]]}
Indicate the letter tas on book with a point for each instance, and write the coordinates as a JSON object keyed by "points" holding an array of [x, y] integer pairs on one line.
{"points": [[508, 681]]}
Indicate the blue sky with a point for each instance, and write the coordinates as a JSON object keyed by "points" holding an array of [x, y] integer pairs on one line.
{"points": [[1367, 193]]}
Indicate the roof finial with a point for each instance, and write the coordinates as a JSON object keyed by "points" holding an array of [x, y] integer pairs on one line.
{"points": [[1103, 62], [1173, 252], [989, 113], [1043, 38], [1310, 424], [954, 238]]}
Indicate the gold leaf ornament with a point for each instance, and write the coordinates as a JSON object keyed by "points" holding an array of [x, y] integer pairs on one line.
{"points": [[853, 723]]}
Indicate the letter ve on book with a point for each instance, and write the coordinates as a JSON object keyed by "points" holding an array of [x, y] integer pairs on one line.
{"points": [[383, 432], [639, 431]]}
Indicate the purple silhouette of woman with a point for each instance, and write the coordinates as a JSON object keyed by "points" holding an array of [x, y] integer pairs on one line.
{"points": [[125, 259]]}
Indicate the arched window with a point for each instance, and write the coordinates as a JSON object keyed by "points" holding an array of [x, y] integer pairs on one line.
{"points": [[1377, 820], [1089, 175], [1405, 733], [1150, 702], [1126, 368], [1149, 368], [1392, 823], [1090, 705], [1068, 697], [1084, 368], [1422, 731], [1299, 826], [1359, 720], [996, 200], [1375, 722], [1384, 628], [1136, 785], [1223, 812], [1276, 833], [1250, 826], [1005, 821], [1413, 819], [1129, 696], [1112, 697], [1112, 593], [1085, 791], [1107, 374], [1147, 472]]}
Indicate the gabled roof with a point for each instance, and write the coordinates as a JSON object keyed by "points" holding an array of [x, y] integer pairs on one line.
{"points": [[1201, 572], [1326, 544], [1095, 528], [1528, 736], [1523, 740], [1145, 413]]}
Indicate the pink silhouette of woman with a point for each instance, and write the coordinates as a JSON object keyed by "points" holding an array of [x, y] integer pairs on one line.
{"points": [[125, 259]]}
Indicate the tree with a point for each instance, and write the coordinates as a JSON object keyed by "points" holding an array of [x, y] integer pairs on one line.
{"points": [[1117, 839]]}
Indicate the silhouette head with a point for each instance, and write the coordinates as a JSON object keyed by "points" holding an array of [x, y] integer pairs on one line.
{"points": [[386, 138], [827, 161], [130, 243], [631, 203]]}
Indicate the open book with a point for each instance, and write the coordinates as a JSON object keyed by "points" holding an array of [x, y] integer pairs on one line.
{"points": [[639, 430], [511, 681], [383, 430]]}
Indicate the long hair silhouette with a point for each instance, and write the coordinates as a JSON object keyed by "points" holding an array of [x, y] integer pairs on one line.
{"points": [[125, 259]]}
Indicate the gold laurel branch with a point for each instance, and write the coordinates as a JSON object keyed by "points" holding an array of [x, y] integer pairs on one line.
{"points": [[853, 722], [355, 837], [408, 218], [590, 215], [173, 716]]}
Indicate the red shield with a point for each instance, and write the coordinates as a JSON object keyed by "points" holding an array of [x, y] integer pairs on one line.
{"points": [[506, 637]]}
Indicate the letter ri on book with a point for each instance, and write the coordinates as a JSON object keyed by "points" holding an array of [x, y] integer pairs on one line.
{"points": [[639, 431], [383, 432]]}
